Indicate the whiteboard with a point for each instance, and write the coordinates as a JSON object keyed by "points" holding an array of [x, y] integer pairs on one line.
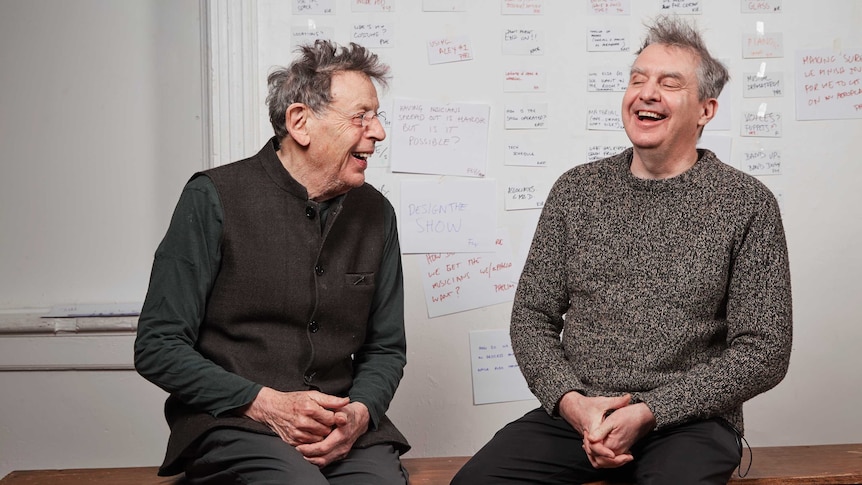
{"points": [[552, 75]]}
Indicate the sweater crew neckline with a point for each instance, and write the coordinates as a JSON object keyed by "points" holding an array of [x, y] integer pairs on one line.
{"points": [[681, 181]]}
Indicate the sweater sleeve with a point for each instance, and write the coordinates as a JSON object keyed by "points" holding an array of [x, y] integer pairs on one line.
{"points": [[184, 269], [759, 331], [540, 301], [379, 363]]}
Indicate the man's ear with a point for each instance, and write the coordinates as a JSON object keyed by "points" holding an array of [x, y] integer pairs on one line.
{"points": [[710, 107], [296, 120]]}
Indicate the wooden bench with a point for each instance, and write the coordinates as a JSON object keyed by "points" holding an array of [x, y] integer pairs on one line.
{"points": [[782, 465]]}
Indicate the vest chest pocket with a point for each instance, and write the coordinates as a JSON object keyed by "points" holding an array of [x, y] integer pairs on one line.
{"points": [[359, 279]]}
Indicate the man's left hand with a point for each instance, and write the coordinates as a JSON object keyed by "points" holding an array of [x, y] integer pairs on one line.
{"points": [[351, 422]]}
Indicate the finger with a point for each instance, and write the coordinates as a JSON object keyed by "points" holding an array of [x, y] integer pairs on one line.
{"points": [[615, 462], [599, 433], [589, 456], [316, 417], [615, 403], [600, 450], [316, 425], [301, 437], [320, 448], [329, 401], [313, 450], [316, 461]]}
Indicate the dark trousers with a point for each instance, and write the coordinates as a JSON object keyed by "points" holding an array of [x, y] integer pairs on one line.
{"points": [[539, 449], [233, 456]]}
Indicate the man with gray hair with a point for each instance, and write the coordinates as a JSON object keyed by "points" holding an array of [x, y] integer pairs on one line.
{"points": [[655, 299], [275, 312]]}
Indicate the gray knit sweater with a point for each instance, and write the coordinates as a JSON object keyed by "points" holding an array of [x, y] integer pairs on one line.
{"points": [[675, 290]]}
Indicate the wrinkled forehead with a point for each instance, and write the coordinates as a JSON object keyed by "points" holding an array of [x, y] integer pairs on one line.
{"points": [[353, 90]]}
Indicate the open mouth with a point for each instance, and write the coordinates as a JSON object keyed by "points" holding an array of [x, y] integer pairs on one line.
{"points": [[650, 115], [361, 156]]}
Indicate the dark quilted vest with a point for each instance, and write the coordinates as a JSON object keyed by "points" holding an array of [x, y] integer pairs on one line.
{"points": [[291, 302]]}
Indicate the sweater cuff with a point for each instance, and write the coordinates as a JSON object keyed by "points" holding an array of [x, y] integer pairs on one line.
{"points": [[550, 392]]}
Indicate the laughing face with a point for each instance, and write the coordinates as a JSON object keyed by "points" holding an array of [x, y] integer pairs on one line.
{"points": [[661, 112], [341, 140]]}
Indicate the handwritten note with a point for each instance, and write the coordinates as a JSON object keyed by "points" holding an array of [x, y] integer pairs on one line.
{"points": [[496, 375], [314, 7], [607, 80], [373, 34], [522, 7], [761, 161], [761, 123], [610, 7], [456, 282], [308, 33], [455, 216], [763, 85], [444, 5], [690, 7], [523, 42], [529, 194], [765, 45], [381, 156], [828, 84], [449, 49], [604, 119], [526, 117], [372, 5], [526, 153], [523, 80], [760, 6], [598, 152], [439, 138], [607, 40], [382, 151]]}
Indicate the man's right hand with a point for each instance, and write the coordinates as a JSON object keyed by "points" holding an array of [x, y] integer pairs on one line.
{"points": [[299, 417], [585, 415]]}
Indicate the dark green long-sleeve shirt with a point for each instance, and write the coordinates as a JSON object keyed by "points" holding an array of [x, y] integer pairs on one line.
{"points": [[185, 267]]}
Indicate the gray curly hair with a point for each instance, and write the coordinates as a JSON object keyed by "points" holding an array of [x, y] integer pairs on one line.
{"points": [[308, 79], [712, 75]]}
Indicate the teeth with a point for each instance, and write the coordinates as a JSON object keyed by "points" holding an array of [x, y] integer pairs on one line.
{"points": [[363, 156], [651, 114]]}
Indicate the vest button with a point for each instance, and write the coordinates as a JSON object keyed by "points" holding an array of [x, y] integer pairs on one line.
{"points": [[309, 212], [318, 270], [313, 326]]}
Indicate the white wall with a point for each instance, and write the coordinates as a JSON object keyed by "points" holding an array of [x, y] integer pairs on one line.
{"points": [[97, 92], [100, 126]]}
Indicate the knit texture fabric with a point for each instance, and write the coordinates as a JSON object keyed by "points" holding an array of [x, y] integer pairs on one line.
{"points": [[676, 291]]}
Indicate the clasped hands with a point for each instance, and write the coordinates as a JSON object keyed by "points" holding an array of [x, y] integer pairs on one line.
{"points": [[320, 426], [609, 425]]}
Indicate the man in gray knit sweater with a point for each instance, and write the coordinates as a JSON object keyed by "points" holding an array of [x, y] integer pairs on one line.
{"points": [[655, 299]]}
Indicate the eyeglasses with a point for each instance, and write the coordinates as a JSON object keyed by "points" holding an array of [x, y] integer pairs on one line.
{"points": [[363, 119]]}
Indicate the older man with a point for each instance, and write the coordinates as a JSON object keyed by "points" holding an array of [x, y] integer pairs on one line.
{"points": [[274, 316]]}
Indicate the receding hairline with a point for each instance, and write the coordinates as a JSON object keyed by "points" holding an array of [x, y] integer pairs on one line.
{"points": [[676, 74]]}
